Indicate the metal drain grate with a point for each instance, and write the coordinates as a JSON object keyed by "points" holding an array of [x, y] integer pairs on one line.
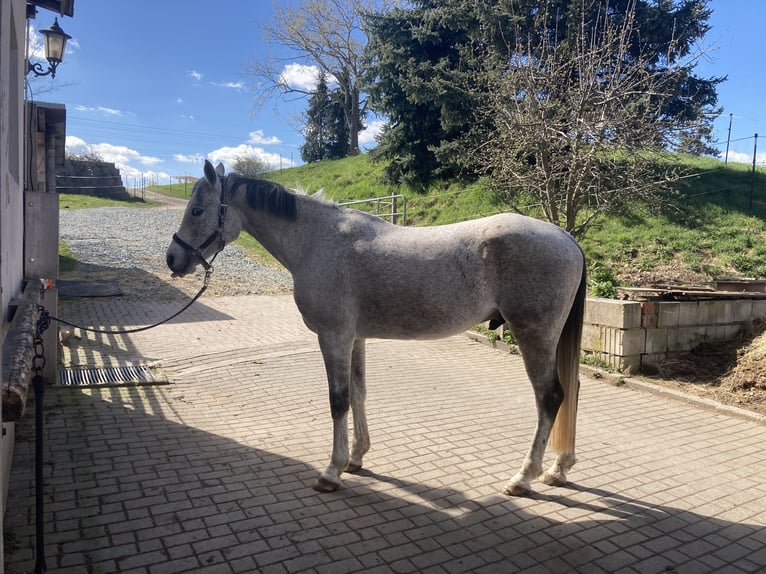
{"points": [[127, 375]]}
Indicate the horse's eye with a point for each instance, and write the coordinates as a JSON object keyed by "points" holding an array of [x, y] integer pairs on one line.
{"points": [[197, 211]]}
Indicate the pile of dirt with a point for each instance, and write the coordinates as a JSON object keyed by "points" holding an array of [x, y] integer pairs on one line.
{"points": [[749, 369], [732, 372]]}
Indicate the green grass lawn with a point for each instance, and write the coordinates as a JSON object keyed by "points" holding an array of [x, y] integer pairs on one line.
{"points": [[79, 201]]}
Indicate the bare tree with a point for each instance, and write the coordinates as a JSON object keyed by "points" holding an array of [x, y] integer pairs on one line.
{"points": [[249, 166], [580, 126], [327, 34]]}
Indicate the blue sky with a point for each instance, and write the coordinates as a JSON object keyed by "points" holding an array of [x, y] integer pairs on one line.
{"points": [[737, 50], [161, 85]]}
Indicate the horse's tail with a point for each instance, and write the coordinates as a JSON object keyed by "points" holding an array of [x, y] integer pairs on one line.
{"points": [[568, 365]]}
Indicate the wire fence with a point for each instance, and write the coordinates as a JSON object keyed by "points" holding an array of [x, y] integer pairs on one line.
{"points": [[742, 149]]}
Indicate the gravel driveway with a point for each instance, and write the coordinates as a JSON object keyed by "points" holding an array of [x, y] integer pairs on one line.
{"points": [[126, 246]]}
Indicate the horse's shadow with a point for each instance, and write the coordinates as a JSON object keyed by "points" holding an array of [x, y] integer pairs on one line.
{"points": [[121, 476]]}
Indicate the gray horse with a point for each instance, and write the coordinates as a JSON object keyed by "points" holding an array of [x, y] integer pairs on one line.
{"points": [[357, 276]]}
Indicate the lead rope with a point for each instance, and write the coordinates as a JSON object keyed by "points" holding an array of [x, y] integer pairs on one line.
{"points": [[208, 273]]}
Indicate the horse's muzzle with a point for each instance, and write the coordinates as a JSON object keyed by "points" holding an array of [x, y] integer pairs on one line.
{"points": [[170, 259]]}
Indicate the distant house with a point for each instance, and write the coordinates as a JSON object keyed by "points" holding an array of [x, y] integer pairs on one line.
{"points": [[31, 146]]}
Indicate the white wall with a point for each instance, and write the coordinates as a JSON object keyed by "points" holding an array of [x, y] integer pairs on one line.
{"points": [[12, 47]]}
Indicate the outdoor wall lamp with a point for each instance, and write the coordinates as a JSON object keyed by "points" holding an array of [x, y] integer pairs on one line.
{"points": [[55, 43]]}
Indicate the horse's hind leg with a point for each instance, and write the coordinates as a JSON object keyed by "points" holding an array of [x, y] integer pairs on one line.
{"points": [[540, 363], [358, 394], [556, 475]]}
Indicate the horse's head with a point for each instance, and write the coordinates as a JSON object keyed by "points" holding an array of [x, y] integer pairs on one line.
{"points": [[207, 225]]}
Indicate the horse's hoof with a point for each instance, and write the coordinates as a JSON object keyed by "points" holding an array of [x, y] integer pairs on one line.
{"points": [[553, 479], [517, 490], [323, 485], [352, 467]]}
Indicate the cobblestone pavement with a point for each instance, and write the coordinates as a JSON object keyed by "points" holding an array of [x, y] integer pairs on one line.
{"points": [[212, 473]]}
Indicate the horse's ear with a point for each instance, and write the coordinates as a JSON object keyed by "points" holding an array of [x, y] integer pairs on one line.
{"points": [[210, 175], [219, 169]]}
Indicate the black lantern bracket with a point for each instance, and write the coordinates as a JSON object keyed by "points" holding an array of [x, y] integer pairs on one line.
{"points": [[55, 40]]}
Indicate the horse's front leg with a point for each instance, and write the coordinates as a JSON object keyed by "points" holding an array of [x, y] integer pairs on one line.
{"points": [[358, 394], [336, 352]]}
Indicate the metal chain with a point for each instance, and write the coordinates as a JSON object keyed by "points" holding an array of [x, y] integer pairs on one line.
{"points": [[43, 322]]}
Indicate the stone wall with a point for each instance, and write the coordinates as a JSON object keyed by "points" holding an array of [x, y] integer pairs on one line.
{"points": [[633, 335], [98, 178]]}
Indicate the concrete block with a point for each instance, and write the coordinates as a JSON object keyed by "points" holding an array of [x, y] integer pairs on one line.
{"points": [[667, 314], [630, 364], [743, 310], [611, 341], [706, 312], [613, 313], [633, 342], [731, 330], [687, 314], [591, 338], [715, 333], [623, 342], [726, 312], [685, 338], [656, 341], [759, 308]]}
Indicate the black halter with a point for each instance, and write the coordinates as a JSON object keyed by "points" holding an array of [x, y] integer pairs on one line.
{"points": [[197, 252]]}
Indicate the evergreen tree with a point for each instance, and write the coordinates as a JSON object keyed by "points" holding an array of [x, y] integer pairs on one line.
{"points": [[431, 68], [326, 129], [415, 77]]}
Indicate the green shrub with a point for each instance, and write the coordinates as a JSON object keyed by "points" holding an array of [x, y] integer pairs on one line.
{"points": [[603, 282]]}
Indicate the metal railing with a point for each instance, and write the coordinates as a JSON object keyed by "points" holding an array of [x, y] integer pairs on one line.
{"points": [[387, 206]]}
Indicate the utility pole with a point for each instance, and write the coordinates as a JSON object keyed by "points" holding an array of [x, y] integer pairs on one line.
{"points": [[728, 139], [752, 175]]}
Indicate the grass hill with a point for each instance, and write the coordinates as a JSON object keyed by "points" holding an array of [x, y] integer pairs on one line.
{"points": [[716, 228]]}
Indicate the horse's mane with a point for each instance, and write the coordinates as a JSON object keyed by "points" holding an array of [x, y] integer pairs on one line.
{"points": [[263, 195]]}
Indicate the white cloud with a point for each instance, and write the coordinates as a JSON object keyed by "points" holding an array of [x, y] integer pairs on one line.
{"points": [[196, 158], [300, 76], [149, 160], [102, 109], [228, 155], [258, 138], [741, 157], [76, 146], [195, 75], [123, 157], [368, 135], [232, 85]]}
